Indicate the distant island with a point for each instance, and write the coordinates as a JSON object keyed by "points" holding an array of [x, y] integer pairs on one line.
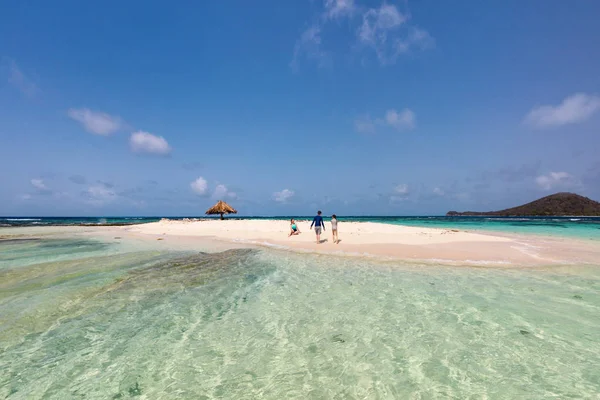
{"points": [[559, 204]]}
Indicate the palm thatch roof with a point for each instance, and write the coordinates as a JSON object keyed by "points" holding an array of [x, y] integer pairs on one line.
{"points": [[221, 208]]}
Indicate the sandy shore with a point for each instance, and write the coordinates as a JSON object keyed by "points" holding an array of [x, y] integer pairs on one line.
{"points": [[350, 233], [375, 239], [360, 239]]}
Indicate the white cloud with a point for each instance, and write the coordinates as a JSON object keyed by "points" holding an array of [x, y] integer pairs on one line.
{"points": [[381, 31], [200, 186], [377, 22], [39, 184], [40, 187], [99, 195], [438, 191], [575, 108], [309, 43], [283, 196], [402, 189], [144, 142], [417, 39], [339, 8], [98, 123], [555, 179], [404, 119], [25, 197], [18, 79], [221, 192], [401, 193], [309, 46]]}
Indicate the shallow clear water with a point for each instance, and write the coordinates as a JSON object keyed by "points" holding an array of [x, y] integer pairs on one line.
{"points": [[86, 319], [573, 227]]}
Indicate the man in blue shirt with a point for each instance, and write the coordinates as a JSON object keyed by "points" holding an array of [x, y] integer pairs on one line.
{"points": [[318, 223]]}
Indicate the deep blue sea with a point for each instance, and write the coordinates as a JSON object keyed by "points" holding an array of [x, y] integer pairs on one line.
{"points": [[578, 227]]}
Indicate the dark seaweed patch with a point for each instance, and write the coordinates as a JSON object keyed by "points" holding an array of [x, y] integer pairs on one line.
{"points": [[135, 390], [338, 338]]}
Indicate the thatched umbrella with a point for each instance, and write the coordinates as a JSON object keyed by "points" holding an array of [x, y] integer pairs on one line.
{"points": [[221, 208]]}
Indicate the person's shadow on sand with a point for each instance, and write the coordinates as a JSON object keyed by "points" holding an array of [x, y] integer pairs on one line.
{"points": [[323, 241]]}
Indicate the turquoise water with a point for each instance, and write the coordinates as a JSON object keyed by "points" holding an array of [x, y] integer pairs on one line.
{"points": [[576, 227], [94, 320]]}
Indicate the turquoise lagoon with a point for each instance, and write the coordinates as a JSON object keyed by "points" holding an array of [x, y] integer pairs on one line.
{"points": [[95, 319]]}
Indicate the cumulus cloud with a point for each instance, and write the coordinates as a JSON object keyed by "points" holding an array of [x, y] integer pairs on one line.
{"points": [[339, 8], [40, 186], [95, 122], [309, 46], [144, 142], [200, 186], [555, 180], [19, 79], [405, 119], [402, 189], [221, 192], [309, 43], [378, 22], [400, 193], [438, 191], [283, 196], [381, 31], [574, 109], [99, 195], [417, 39]]}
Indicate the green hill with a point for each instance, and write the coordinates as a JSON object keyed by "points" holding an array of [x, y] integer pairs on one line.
{"points": [[559, 204]]}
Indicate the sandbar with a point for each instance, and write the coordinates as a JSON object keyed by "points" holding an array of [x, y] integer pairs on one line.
{"points": [[385, 240]]}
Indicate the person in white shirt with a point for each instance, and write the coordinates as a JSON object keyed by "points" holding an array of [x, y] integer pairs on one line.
{"points": [[334, 229]]}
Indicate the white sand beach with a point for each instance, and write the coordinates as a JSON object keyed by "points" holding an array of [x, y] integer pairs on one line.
{"points": [[351, 233], [377, 239]]}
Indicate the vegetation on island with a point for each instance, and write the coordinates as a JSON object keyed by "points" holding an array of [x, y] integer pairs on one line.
{"points": [[558, 204]]}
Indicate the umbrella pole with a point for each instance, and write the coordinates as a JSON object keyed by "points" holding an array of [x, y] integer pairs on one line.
{"points": [[222, 217]]}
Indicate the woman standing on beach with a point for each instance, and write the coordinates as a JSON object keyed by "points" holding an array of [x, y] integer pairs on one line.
{"points": [[334, 229]]}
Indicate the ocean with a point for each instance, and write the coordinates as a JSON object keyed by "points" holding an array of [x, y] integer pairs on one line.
{"points": [[110, 318]]}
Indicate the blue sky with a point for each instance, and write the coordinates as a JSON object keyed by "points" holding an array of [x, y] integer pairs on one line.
{"points": [[353, 107]]}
